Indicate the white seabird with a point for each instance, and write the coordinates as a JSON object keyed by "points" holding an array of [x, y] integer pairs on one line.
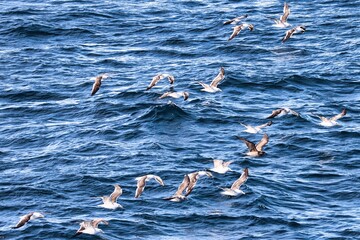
{"points": [[91, 227], [212, 88], [255, 150], [110, 202], [175, 95], [141, 182], [234, 190], [329, 122], [158, 77], [282, 111], [256, 129], [289, 33], [239, 28], [221, 166], [28, 217], [179, 196], [282, 22]]}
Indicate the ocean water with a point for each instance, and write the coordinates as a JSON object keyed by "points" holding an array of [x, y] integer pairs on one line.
{"points": [[60, 148]]}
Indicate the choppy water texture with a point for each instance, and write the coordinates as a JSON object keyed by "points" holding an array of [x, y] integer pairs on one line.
{"points": [[61, 148]]}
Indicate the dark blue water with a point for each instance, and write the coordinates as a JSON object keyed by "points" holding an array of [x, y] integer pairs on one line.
{"points": [[61, 148]]}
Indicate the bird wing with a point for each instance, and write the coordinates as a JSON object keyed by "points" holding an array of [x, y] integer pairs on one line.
{"points": [[23, 220], [286, 13], [218, 163], [244, 176], [338, 116], [236, 31], [140, 186], [159, 180], [183, 185], [264, 125], [237, 19], [116, 193], [250, 145], [218, 78], [275, 113], [226, 164], [165, 95], [96, 222], [154, 81], [96, 85], [193, 180], [288, 34], [262, 143]]}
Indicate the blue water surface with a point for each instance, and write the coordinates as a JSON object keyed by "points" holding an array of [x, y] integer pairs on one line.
{"points": [[60, 148]]}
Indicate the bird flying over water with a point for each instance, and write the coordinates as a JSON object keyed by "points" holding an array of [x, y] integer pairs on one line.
{"points": [[234, 190], [282, 22], [175, 95], [91, 227], [235, 20], [221, 166], [282, 111], [141, 182], [28, 217], [329, 122], [158, 77], [255, 150], [110, 202], [256, 129], [289, 33], [213, 85], [239, 28], [97, 83]]}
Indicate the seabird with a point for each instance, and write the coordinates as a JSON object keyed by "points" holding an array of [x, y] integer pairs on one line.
{"points": [[141, 182], [176, 95], [289, 33], [213, 85], [97, 83], [234, 190], [26, 218], [255, 150], [110, 202], [221, 166], [282, 111], [283, 19], [193, 177], [158, 77], [256, 129], [329, 122], [235, 20], [187, 184], [178, 196], [91, 227], [239, 28]]}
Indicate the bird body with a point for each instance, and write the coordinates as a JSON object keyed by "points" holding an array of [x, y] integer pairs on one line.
{"points": [[234, 190], [237, 29], [91, 227], [141, 182], [110, 202], [282, 22], [329, 122], [28, 217], [175, 95], [255, 150], [256, 129], [158, 77], [220, 166], [212, 88], [289, 33]]}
